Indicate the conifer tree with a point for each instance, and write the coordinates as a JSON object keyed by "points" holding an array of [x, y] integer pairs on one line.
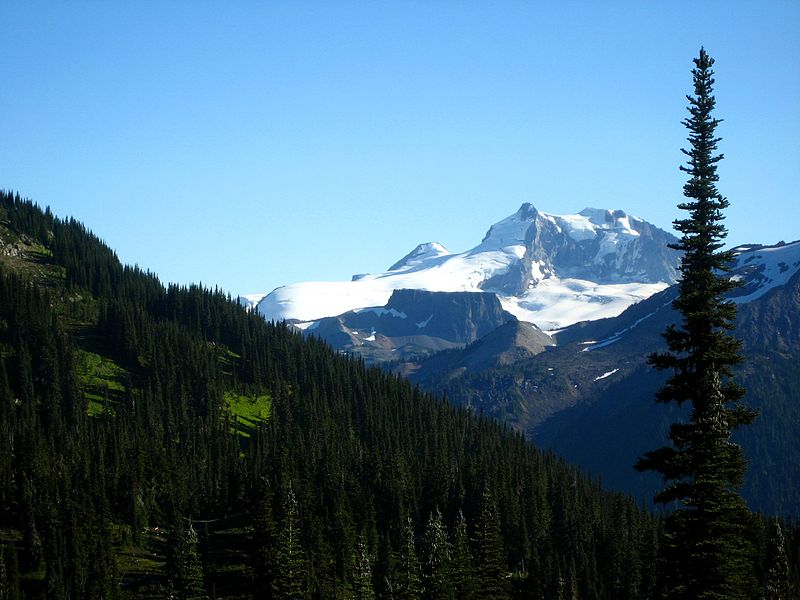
{"points": [[5, 593], [409, 583], [436, 572], [706, 553], [490, 558], [362, 571], [174, 555], [9, 574], [264, 542], [193, 576], [183, 562], [54, 577], [463, 565], [289, 581], [5, 386], [777, 584]]}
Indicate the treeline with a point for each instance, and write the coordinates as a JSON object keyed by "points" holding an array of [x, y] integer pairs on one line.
{"points": [[358, 485]]}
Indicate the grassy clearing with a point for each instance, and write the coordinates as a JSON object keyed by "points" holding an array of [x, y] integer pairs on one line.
{"points": [[249, 410], [101, 381]]}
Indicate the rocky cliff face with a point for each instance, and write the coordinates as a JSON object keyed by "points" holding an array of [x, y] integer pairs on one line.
{"points": [[413, 323], [603, 246]]}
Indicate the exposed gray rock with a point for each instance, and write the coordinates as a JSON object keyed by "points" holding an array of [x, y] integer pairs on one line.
{"points": [[413, 323]]}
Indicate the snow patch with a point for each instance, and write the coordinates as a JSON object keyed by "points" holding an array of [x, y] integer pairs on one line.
{"points": [[762, 269], [418, 256], [424, 323], [616, 336], [380, 311], [557, 303], [250, 301], [604, 375]]}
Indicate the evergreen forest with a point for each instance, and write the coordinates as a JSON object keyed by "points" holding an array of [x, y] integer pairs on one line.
{"points": [[162, 442]]}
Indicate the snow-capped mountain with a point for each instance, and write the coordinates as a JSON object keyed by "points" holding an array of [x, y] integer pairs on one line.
{"points": [[590, 396], [250, 301], [761, 268], [551, 270]]}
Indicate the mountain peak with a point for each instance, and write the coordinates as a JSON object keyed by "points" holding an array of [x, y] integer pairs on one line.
{"points": [[547, 269], [420, 254], [600, 216], [611, 219], [512, 230], [527, 212]]}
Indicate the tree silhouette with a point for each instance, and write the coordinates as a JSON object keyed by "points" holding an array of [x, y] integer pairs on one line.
{"points": [[706, 553]]}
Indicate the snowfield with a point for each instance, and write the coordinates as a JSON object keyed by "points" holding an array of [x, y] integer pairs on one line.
{"points": [[762, 269], [550, 299], [551, 302]]}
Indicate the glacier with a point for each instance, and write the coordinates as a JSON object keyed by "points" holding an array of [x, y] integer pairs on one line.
{"points": [[550, 270]]}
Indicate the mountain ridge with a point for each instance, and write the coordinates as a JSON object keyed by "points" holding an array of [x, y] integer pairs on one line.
{"points": [[551, 270], [591, 397]]}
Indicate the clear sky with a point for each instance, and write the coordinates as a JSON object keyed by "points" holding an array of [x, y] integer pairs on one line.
{"points": [[251, 144]]}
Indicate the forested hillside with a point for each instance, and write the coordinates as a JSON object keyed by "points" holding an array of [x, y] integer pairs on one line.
{"points": [[165, 440], [162, 441]]}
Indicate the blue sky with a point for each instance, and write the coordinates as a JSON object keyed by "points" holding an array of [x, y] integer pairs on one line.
{"points": [[248, 145]]}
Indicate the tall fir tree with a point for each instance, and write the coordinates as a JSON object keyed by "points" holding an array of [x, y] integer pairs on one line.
{"points": [[183, 562], [706, 553], [9, 574], [437, 564], [264, 542], [490, 556], [408, 580], [289, 582], [362, 571], [193, 577], [5, 586], [777, 577], [463, 565]]}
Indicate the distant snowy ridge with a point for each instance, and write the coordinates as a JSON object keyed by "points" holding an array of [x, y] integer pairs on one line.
{"points": [[551, 270], [250, 301], [420, 254], [762, 268], [758, 269]]}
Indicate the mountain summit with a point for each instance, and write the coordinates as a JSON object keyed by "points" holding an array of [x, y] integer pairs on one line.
{"points": [[602, 246], [551, 270]]}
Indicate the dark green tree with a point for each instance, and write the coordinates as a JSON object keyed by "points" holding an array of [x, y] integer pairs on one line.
{"points": [[490, 556], [265, 535], [777, 579], [183, 562], [362, 571], [437, 563], [193, 576], [463, 564], [9, 574], [5, 593], [408, 585], [706, 553], [289, 582]]}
